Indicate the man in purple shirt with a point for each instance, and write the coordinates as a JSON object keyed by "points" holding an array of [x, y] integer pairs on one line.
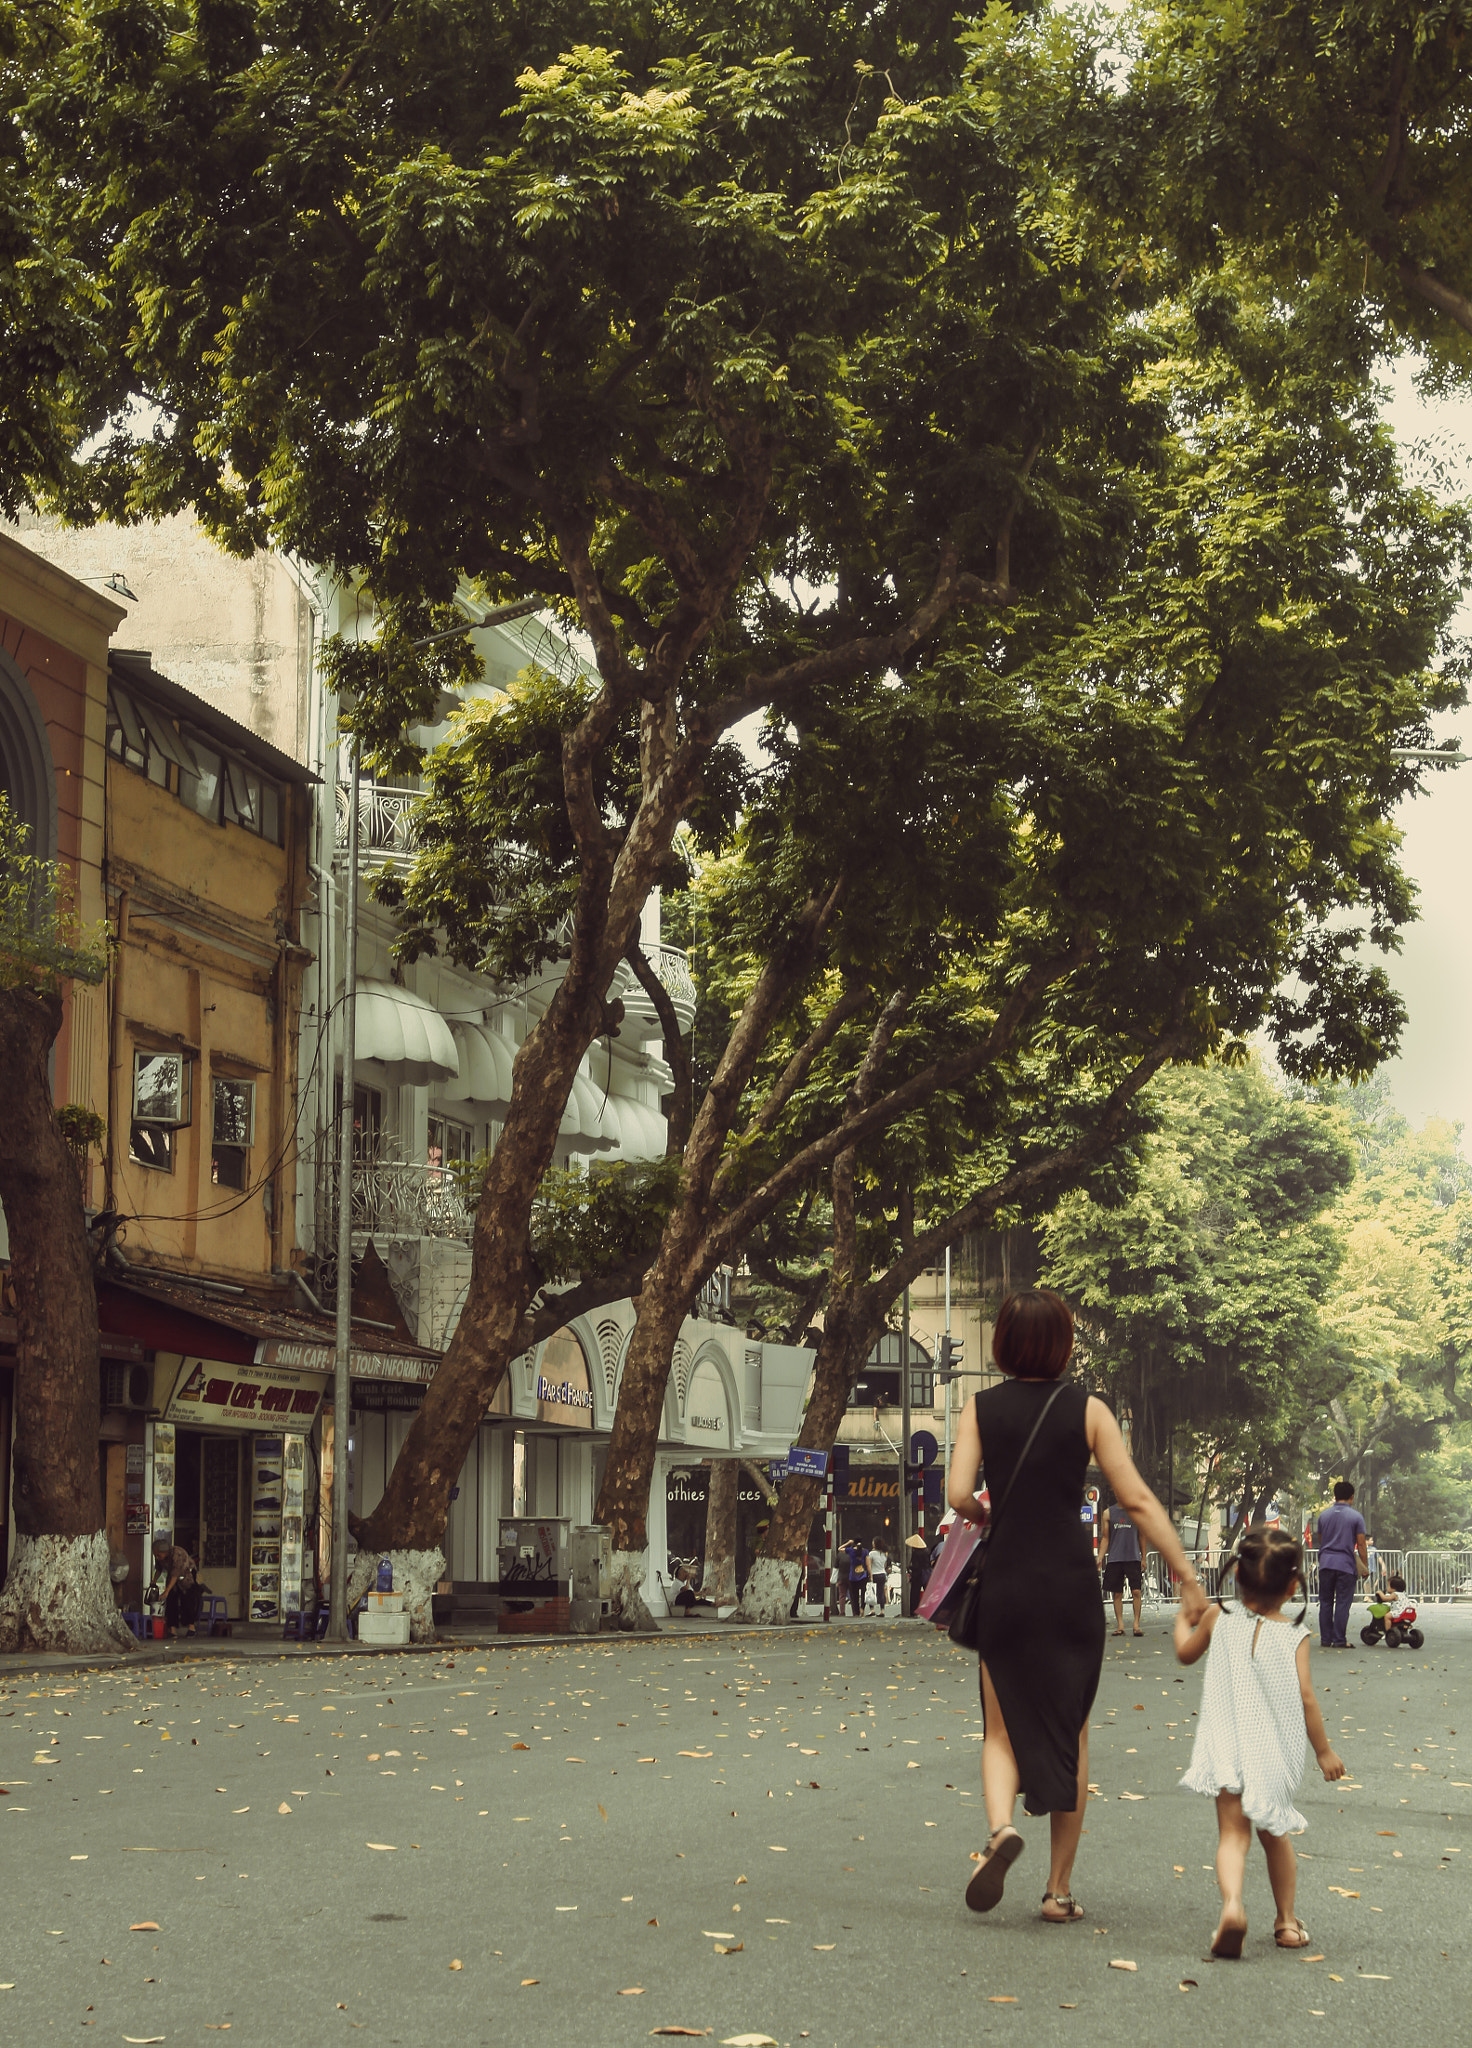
{"points": [[1342, 1559]]}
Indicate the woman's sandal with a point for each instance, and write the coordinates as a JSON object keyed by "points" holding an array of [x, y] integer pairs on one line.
{"points": [[1294, 1935], [1003, 1848], [1074, 1911], [1116, 1632]]}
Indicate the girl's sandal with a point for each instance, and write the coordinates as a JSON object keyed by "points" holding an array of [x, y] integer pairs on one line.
{"points": [[1072, 1910], [1227, 1945], [1003, 1848], [1294, 1935]]}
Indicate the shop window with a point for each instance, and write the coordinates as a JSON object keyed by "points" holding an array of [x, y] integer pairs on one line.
{"points": [[233, 1133], [161, 1105]]}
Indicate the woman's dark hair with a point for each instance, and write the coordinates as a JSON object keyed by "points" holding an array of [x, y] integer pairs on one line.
{"points": [[1033, 1338], [1268, 1561]]}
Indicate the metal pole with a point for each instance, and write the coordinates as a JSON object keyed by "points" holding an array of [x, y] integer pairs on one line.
{"points": [[947, 1466], [828, 1553], [904, 1452], [337, 1596]]}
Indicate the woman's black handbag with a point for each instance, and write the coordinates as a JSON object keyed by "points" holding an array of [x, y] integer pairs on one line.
{"points": [[965, 1628]]}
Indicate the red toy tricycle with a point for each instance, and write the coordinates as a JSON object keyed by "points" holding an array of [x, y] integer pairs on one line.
{"points": [[1393, 1622]]}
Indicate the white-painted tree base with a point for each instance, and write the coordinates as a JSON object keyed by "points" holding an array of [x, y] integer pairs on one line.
{"points": [[628, 1609], [416, 1574], [766, 1599], [59, 1596]]}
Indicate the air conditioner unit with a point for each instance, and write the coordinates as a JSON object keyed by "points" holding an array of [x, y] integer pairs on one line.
{"points": [[126, 1386]]}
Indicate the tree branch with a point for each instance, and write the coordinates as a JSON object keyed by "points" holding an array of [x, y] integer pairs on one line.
{"points": [[676, 1050], [800, 1065]]}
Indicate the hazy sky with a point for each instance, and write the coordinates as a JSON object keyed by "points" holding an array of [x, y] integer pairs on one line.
{"points": [[1433, 1075]]}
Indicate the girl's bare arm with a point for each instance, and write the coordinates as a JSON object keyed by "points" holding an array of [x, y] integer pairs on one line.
{"points": [[965, 1465], [1313, 1718], [1191, 1638]]}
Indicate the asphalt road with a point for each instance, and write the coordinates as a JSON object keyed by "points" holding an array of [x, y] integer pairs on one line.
{"points": [[588, 1843]]}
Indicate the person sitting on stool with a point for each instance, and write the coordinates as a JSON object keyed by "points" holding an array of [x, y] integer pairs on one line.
{"points": [[181, 1594], [687, 1598]]}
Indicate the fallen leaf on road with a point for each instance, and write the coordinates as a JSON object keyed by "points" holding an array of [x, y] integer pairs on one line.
{"points": [[741, 1880], [748, 2041], [1119, 1964], [689, 2033], [457, 1965], [634, 1991], [381, 1845], [704, 1754], [734, 1949], [284, 1807], [1342, 1892], [529, 1980], [521, 1745], [776, 1848], [602, 1811], [822, 1947], [1131, 1795], [1313, 1959], [1067, 2008], [1373, 1977], [717, 1934], [1001, 1999], [144, 1927], [1386, 1831], [144, 2040], [574, 1759], [1188, 1984], [651, 1923], [240, 1809]]}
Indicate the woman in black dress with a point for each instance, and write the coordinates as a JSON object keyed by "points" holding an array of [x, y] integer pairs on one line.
{"points": [[1042, 1618]]}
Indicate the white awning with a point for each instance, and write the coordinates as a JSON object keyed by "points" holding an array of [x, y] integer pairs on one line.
{"points": [[585, 1122], [484, 1075], [405, 1033], [644, 1134]]}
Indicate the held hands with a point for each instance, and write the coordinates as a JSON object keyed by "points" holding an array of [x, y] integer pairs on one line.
{"points": [[1194, 1602], [1331, 1765]]}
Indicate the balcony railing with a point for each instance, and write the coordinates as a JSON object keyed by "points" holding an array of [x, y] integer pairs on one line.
{"points": [[396, 1198], [385, 819]]}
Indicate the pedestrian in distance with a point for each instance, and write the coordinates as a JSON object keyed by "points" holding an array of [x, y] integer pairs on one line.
{"points": [[858, 1578], [878, 1572], [1122, 1563], [177, 1568], [1040, 1658], [1343, 1558], [1258, 1715]]}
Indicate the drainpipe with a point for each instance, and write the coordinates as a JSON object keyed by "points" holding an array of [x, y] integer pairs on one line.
{"points": [[337, 1620]]}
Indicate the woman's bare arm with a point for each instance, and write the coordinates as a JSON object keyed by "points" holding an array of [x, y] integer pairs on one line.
{"points": [[965, 1466], [1140, 1504]]}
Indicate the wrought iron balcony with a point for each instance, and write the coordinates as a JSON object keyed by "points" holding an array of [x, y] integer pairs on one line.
{"points": [[385, 819], [396, 1198]]}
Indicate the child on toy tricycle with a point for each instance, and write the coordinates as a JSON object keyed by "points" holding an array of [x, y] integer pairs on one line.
{"points": [[1392, 1618]]}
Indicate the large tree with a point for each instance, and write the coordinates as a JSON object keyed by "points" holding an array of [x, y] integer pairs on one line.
{"points": [[58, 1591], [778, 362]]}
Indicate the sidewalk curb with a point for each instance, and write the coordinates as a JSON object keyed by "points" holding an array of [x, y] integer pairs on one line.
{"points": [[229, 1650]]}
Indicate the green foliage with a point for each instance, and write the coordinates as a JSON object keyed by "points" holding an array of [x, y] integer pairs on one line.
{"points": [[595, 1220], [1203, 1293], [82, 1128], [42, 944]]}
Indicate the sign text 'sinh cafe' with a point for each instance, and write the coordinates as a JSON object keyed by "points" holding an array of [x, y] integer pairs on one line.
{"points": [[209, 1394]]}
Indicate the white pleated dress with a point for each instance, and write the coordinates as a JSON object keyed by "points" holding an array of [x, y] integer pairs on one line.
{"points": [[1251, 1738]]}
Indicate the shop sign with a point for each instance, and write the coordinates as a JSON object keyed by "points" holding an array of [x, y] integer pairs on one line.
{"points": [[211, 1395], [564, 1391], [707, 1416], [363, 1365]]}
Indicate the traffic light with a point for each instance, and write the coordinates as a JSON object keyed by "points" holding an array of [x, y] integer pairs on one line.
{"points": [[948, 1358]]}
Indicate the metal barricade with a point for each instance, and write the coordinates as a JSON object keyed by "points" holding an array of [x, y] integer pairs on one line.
{"points": [[1438, 1574]]}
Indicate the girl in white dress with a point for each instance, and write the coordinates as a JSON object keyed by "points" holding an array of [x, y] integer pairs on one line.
{"points": [[1258, 1714]]}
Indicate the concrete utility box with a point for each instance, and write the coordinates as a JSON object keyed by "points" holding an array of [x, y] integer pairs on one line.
{"points": [[384, 1625], [592, 1564]]}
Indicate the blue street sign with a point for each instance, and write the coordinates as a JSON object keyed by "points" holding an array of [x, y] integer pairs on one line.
{"points": [[924, 1450], [807, 1464]]}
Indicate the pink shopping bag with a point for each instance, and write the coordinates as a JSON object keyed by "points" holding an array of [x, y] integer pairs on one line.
{"points": [[956, 1553]]}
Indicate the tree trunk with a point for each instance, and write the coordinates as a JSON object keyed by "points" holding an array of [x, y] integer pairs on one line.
{"points": [[58, 1595], [416, 1574], [416, 1502], [847, 1339], [623, 1499], [718, 1580]]}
